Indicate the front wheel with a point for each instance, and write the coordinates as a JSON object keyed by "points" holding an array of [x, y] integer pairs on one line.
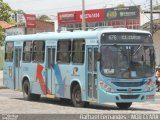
{"points": [[123, 105], [27, 93], [77, 98]]}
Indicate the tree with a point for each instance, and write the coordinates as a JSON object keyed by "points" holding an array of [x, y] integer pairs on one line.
{"points": [[43, 18], [156, 7], [2, 36], [120, 6], [5, 11], [5, 15]]}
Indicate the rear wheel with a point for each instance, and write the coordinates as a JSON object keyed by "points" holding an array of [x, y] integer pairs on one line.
{"points": [[27, 93], [123, 105], [77, 98]]}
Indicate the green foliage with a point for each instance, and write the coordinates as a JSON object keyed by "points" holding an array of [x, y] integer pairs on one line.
{"points": [[5, 15], [156, 7], [120, 6], [19, 11], [5, 11], [2, 36], [43, 18]]}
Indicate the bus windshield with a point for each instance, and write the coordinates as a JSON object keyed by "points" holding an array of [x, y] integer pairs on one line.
{"points": [[127, 61]]}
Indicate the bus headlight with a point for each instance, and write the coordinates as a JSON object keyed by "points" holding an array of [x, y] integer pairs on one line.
{"points": [[150, 86], [106, 87]]}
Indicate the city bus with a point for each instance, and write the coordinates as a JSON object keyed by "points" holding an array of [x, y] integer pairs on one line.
{"points": [[113, 65]]}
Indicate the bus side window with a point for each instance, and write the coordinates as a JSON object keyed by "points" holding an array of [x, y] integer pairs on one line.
{"points": [[9, 51], [78, 49], [64, 51], [27, 51], [38, 51]]}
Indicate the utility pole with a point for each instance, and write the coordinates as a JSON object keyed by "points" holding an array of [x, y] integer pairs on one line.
{"points": [[151, 18], [83, 16]]}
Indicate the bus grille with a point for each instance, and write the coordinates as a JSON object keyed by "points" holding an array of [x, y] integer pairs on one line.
{"points": [[128, 84], [125, 90], [129, 96]]}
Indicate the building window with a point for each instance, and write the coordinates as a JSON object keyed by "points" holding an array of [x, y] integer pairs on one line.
{"points": [[9, 51], [100, 24], [38, 51], [78, 49], [64, 51], [27, 51]]}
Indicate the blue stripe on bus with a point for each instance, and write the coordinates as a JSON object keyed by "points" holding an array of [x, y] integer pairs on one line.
{"points": [[59, 80]]}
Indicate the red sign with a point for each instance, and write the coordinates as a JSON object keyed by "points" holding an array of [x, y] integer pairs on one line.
{"points": [[76, 16], [30, 20]]}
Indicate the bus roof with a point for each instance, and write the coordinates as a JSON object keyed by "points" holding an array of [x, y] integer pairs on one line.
{"points": [[53, 35], [70, 35]]}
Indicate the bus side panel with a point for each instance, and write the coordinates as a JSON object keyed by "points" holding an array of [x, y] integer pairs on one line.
{"points": [[30, 70], [78, 74], [62, 76], [39, 82], [65, 75], [8, 68], [8, 75]]}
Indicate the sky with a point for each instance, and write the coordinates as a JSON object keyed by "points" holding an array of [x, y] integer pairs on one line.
{"points": [[51, 7]]}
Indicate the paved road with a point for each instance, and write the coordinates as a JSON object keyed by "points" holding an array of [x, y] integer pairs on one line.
{"points": [[12, 102]]}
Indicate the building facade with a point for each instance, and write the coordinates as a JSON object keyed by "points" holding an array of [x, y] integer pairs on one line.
{"points": [[128, 17], [41, 26], [73, 20]]}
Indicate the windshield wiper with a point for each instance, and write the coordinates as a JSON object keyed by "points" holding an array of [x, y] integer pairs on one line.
{"points": [[137, 49]]}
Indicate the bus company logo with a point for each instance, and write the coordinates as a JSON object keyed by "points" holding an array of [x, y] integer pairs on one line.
{"points": [[129, 90], [75, 70]]}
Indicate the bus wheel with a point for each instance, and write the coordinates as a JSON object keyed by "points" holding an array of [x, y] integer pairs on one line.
{"points": [[123, 105], [27, 93], [76, 97]]}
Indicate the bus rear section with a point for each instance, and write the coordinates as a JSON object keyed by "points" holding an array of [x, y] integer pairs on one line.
{"points": [[126, 68]]}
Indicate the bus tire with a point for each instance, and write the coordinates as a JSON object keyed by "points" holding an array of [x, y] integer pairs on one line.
{"points": [[27, 93], [76, 97], [124, 105]]}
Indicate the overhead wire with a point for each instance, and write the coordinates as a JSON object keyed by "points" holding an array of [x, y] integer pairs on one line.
{"points": [[140, 9]]}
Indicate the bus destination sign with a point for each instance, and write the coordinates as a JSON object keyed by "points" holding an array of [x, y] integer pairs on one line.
{"points": [[125, 38]]}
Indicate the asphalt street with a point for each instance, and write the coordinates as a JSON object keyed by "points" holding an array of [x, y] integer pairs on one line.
{"points": [[12, 102]]}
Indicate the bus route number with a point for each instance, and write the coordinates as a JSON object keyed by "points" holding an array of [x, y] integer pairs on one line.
{"points": [[112, 37]]}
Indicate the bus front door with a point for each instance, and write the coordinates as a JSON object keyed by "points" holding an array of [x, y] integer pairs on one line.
{"points": [[50, 81], [92, 73], [17, 66]]}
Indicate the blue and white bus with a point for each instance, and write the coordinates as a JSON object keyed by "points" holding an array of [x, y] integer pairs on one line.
{"points": [[109, 65]]}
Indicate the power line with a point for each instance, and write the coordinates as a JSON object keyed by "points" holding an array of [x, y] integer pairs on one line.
{"points": [[140, 9]]}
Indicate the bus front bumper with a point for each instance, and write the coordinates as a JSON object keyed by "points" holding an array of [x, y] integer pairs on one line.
{"points": [[104, 97]]}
